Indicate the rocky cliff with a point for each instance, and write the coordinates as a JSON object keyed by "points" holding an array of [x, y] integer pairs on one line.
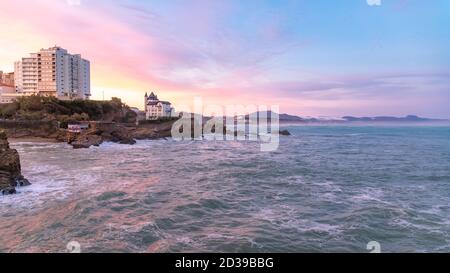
{"points": [[99, 133], [119, 133], [153, 131], [10, 170], [29, 129]]}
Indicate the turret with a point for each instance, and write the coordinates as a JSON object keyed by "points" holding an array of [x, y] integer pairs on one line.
{"points": [[153, 97], [145, 101]]}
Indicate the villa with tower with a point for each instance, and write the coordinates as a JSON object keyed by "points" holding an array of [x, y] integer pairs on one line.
{"points": [[156, 109]]}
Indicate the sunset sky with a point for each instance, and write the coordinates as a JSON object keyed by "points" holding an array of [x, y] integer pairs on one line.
{"points": [[310, 57]]}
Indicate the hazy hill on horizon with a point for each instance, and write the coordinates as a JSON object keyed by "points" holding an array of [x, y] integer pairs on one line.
{"points": [[286, 118]]}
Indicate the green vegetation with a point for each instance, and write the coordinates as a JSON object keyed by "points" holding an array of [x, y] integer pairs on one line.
{"points": [[49, 108]]}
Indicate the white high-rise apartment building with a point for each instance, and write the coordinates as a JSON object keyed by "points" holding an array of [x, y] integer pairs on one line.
{"points": [[26, 75], [54, 72]]}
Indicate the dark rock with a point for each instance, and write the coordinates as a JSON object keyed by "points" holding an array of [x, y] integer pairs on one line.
{"points": [[8, 190], [84, 141], [22, 182], [10, 169], [285, 133], [122, 135], [144, 133], [153, 131], [101, 132]]}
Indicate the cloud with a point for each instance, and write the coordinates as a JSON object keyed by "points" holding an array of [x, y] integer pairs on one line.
{"points": [[365, 86], [223, 50]]}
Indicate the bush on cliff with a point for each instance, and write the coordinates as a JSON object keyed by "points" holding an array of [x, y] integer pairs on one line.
{"points": [[65, 120], [8, 111], [38, 107]]}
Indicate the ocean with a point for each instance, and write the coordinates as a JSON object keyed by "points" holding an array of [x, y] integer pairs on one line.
{"points": [[326, 189]]}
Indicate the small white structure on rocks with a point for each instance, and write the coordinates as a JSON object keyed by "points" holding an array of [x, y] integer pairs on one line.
{"points": [[156, 109]]}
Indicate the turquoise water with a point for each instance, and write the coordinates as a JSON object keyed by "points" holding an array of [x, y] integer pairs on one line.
{"points": [[327, 189]]}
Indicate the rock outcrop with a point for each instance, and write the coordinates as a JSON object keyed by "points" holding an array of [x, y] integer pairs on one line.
{"points": [[10, 169], [99, 133], [153, 131], [86, 140], [285, 133]]}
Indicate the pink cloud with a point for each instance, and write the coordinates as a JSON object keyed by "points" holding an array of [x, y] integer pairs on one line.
{"points": [[133, 49]]}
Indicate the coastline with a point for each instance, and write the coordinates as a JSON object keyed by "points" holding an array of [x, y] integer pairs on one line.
{"points": [[32, 139], [97, 133]]}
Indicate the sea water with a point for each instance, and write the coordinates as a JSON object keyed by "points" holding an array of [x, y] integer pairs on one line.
{"points": [[326, 189]]}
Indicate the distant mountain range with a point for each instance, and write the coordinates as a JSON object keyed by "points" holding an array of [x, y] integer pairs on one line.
{"points": [[286, 118], [410, 118]]}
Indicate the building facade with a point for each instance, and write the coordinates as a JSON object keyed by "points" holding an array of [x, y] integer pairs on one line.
{"points": [[7, 78], [26, 75], [7, 93], [156, 109], [53, 72]]}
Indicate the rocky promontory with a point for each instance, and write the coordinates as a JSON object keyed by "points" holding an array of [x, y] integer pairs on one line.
{"points": [[94, 133], [153, 130], [10, 169], [100, 132]]}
